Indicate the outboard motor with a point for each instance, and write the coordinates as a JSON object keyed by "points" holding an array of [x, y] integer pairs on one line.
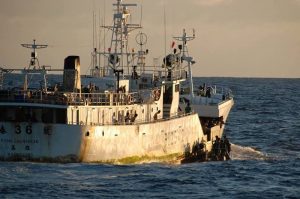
{"points": [[71, 80]]}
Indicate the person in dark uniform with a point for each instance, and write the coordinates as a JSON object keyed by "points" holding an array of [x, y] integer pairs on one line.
{"points": [[222, 150], [216, 148], [133, 117], [188, 108], [227, 148], [127, 118], [156, 115]]}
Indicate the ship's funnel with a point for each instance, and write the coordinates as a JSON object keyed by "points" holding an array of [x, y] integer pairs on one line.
{"points": [[72, 81]]}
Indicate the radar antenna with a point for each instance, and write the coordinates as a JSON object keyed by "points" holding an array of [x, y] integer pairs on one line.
{"points": [[34, 62], [184, 39]]}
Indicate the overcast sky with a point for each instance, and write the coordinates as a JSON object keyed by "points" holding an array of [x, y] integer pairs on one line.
{"points": [[235, 38]]}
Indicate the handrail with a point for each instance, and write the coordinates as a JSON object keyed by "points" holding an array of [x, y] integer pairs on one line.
{"points": [[213, 90], [209, 95], [162, 73], [108, 98], [140, 121]]}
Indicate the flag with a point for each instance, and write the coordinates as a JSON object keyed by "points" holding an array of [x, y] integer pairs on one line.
{"points": [[173, 44]]}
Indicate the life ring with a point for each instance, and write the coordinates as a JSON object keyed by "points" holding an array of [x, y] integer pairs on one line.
{"points": [[129, 99], [153, 94]]}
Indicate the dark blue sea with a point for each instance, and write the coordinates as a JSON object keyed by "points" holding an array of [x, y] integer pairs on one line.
{"points": [[264, 127]]}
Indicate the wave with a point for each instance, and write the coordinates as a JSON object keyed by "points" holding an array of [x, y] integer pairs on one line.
{"points": [[246, 153]]}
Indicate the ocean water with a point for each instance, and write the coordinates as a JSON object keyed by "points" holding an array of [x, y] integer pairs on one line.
{"points": [[264, 127]]}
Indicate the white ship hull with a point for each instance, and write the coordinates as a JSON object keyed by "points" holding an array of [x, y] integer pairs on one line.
{"points": [[214, 110], [221, 110], [109, 143]]}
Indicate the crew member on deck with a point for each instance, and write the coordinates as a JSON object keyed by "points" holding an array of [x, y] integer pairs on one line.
{"points": [[133, 117], [114, 119], [188, 109], [156, 114], [227, 148], [216, 148], [127, 118]]}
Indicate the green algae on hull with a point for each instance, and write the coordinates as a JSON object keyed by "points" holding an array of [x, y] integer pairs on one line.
{"points": [[144, 159]]}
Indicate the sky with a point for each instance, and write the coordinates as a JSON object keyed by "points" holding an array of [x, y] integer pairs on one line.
{"points": [[234, 38]]}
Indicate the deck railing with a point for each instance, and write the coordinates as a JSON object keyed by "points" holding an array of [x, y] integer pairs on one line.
{"points": [[108, 98], [209, 95], [169, 75], [121, 121]]}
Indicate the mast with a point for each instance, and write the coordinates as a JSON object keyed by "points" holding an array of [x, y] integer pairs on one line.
{"points": [[185, 56], [118, 51], [34, 65], [141, 39], [165, 36], [94, 70], [34, 62], [97, 70]]}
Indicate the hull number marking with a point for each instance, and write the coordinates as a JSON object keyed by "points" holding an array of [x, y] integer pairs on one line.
{"points": [[18, 129], [28, 129]]}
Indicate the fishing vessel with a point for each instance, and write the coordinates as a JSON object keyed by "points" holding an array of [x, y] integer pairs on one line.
{"points": [[123, 111]]}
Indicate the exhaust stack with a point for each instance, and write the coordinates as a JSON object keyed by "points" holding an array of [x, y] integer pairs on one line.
{"points": [[71, 78]]}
